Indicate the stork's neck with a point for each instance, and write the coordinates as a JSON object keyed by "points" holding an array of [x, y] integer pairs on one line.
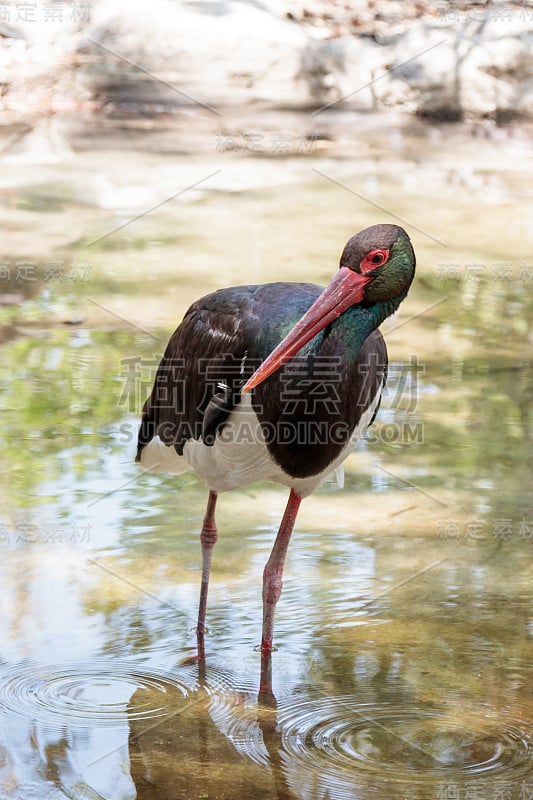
{"points": [[355, 325]]}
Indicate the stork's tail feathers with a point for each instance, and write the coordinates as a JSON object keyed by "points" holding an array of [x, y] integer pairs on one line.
{"points": [[146, 430]]}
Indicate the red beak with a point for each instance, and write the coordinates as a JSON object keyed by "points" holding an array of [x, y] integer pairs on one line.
{"points": [[345, 290]]}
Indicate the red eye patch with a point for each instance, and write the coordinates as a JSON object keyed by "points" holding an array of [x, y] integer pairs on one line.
{"points": [[373, 259]]}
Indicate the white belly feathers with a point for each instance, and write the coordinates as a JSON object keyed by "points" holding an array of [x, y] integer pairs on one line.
{"points": [[240, 455]]}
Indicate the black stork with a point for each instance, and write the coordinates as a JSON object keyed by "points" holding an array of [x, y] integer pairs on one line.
{"points": [[276, 382]]}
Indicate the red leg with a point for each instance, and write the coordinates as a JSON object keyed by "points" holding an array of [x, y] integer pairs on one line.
{"points": [[208, 538], [272, 585]]}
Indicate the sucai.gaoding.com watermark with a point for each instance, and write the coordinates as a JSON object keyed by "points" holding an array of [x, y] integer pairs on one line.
{"points": [[311, 407], [27, 532], [24, 270]]}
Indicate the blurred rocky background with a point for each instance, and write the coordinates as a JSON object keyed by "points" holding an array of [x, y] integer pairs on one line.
{"points": [[68, 68]]}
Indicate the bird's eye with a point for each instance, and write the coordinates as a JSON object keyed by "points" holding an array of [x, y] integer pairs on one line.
{"points": [[373, 259]]}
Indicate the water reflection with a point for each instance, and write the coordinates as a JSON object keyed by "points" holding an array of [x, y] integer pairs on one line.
{"points": [[228, 747], [112, 730], [404, 633], [404, 650]]}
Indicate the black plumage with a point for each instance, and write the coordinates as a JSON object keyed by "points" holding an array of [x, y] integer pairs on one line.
{"points": [[308, 409]]}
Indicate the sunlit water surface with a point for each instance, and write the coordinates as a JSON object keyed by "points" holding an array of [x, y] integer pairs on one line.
{"points": [[404, 659]]}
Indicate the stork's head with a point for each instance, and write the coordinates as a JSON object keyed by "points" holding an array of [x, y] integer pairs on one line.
{"points": [[377, 266]]}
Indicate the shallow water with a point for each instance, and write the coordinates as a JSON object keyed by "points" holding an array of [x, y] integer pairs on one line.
{"points": [[404, 655]]}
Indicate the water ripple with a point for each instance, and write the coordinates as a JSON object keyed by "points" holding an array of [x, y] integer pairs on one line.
{"points": [[240, 722], [349, 743], [104, 694]]}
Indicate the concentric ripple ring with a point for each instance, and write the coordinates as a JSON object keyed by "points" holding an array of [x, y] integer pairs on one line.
{"points": [[105, 694], [349, 743]]}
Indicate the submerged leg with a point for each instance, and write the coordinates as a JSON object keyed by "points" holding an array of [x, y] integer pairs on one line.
{"points": [[208, 538], [272, 584]]}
